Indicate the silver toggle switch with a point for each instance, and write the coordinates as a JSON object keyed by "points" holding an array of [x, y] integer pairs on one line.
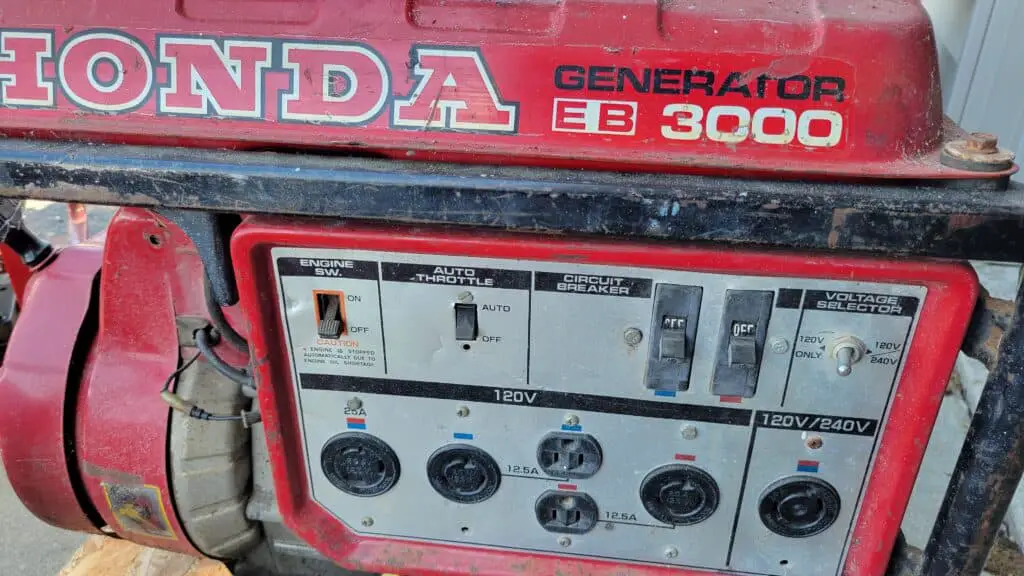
{"points": [[847, 350]]}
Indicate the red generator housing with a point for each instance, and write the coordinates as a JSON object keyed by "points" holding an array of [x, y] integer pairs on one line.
{"points": [[466, 287]]}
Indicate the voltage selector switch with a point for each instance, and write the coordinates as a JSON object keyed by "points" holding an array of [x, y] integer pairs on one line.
{"points": [[847, 350], [744, 327], [674, 330]]}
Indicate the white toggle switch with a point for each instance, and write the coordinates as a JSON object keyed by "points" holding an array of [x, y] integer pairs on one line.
{"points": [[846, 350]]}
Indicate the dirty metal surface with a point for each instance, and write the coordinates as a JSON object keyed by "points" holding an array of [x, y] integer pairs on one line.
{"points": [[989, 468], [991, 319], [971, 220]]}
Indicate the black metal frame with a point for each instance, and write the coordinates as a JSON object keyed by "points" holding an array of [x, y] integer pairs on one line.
{"points": [[977, 219]]}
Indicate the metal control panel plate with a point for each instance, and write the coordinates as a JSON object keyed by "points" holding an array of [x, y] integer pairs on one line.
{"points": [[720, 422]]}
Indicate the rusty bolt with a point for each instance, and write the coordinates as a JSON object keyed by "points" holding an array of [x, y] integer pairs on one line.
{"points": [[982, 142], [815, 442], [977, 152]]}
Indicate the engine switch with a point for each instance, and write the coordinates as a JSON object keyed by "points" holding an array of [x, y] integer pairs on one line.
{"points": [[465, 322], [744, 327], [330, 320], [673, 329]]}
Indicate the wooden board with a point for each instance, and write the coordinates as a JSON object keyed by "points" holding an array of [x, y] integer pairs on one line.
{"points": [[101, 556]]}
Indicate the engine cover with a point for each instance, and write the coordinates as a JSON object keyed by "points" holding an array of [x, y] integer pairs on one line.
{"points": [[741, 86], [555, 402]]}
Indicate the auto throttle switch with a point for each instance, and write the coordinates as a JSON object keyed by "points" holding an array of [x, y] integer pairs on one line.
{"points": [[846, 351]]}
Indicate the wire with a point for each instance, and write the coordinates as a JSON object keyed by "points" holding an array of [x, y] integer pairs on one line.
{"points": [[220, 322], [200, 414], [176, 373], [205, 345]]}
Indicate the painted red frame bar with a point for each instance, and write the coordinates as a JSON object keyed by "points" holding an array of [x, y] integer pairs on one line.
{"points": [[952, 291]]}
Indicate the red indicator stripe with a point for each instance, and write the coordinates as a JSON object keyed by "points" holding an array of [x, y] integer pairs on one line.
{"points": [[566, 486], [686, 457]]}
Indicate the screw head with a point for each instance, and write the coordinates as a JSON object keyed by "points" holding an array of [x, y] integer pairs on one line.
{"points": [[778, 345], [354, 403], [565, 541], [462, 411], [572, 420], [671, 552], [367, 521], [982, 142], [465, 297], [632, 336], [815, 442], [689, 431]]}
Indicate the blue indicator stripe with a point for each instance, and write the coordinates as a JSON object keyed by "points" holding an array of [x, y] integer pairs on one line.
{"points": [[804, 466], [356, 426], [576, 428], [666, 393], [463, 436]]}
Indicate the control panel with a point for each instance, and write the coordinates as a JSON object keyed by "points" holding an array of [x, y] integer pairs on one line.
{"points": [[636, 414]]}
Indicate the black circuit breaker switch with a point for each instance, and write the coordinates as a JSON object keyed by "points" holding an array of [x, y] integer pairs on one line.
{"points": [[331, 325], [673, 332], [465, 322], [744, 328]]}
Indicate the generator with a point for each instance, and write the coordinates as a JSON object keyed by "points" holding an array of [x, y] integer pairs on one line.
{"points": [[462, 287]]}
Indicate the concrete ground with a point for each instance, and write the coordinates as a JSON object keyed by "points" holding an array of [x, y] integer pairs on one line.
{"points": [[29, 547]]}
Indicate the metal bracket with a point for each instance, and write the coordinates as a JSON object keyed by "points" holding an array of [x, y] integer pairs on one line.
{"points": [[991, 320], [211, 234]]}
